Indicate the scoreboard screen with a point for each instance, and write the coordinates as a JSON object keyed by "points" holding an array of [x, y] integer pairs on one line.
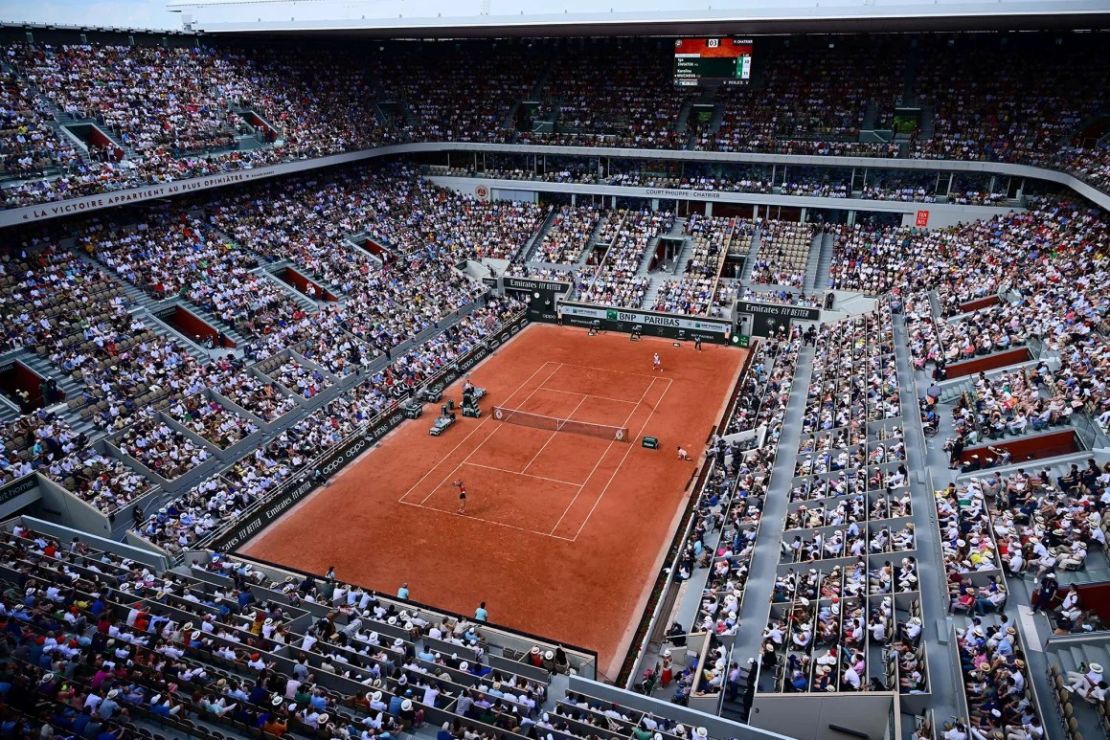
{"points": [[716, 60]]}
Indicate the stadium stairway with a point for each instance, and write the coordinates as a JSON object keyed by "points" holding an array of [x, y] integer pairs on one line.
{"points": [[302, 300], [652, 291], [1076, 655], [819, 279], [587, 248], [150, 308], [753, 255], [211, 319], [680, 125], [737, 709], [645, 261], [717, 117], [67, 385], [9, 412], [136, 296], [683, 259], [813, 263], [199, 352], [756, 606], [527, 251], [508, 121], [46, 369], [276, 268], [870, 114], [909, 74], [919, 458], [927, 116]]}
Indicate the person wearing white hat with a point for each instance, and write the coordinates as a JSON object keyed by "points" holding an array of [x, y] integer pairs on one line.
{"points": [[1083, 683], [374, 701], [411, 717], [108, 707], [666, 670]]}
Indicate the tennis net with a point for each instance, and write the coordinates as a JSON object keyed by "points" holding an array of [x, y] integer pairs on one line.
{"points": [[555, 424]]}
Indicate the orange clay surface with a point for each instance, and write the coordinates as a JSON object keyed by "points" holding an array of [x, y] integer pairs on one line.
{"points": [[563, 533]]}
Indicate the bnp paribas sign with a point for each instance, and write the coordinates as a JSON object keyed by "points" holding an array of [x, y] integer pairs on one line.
{"points": [[647, 318]]}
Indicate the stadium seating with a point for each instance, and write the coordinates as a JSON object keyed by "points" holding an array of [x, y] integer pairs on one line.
{"points": [[700, 290], [336, 294], [228, 647], [263, 106], [783, 254]]}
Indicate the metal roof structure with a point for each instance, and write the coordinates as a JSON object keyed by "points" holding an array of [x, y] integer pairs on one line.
{"points": [[434, 18]]}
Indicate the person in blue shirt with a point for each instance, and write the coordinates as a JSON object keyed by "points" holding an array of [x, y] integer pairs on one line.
{"points": [[258, 694], [82, 721], [480, 614], [108, 733], [403, 591]]}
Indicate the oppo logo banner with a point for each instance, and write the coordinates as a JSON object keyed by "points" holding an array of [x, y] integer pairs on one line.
{"points": [[338, 460]]}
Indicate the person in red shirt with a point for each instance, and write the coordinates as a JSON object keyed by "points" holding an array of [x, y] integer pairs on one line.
{"points": [[462, 496]]}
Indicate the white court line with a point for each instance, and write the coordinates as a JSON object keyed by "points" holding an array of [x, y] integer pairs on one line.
{"points": [[480, 444], [591, 395], [534, 390], [545, 444], [488, 521], [620, 464], [468, 436], [653, 376], [606, 452], [523, 475]]}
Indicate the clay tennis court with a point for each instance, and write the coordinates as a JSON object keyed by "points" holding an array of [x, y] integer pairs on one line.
{"points": [[563, 532]]}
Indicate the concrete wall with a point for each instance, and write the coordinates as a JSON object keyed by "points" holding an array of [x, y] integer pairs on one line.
{"points": [[940, 214], [718, 727], [18, 494], [810, 715], [66, 534], [56, 209], [72, 511]]}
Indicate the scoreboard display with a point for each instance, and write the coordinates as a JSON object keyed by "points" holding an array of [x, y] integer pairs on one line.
{"points": [[715, 60]]}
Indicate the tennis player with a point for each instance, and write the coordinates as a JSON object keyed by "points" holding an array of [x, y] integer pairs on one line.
{"points": [[656, 363], [462, 496]]}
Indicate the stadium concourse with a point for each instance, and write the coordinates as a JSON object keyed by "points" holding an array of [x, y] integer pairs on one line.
{"points": [[230, 270]]}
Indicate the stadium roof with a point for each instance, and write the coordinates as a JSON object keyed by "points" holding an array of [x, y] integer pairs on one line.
{"points": [[484, 18]]}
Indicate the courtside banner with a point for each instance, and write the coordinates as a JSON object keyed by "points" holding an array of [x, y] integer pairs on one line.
{"points": [[778, 310], [327, 466], [335, 460], [508, 332], [529, 284], [465, 364], [698, 325]]}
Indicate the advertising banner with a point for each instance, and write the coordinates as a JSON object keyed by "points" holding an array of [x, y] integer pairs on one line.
{"points": [[338, 458], [673, 326], [766, 318]]}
